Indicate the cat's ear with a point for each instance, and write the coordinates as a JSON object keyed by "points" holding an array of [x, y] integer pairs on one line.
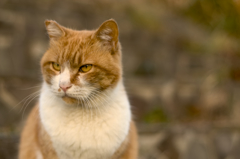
{"points": [[54, 30], [108, 33]]}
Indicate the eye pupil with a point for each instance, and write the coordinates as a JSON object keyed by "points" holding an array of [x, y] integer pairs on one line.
{"points": [[56, 66], [85, 68]]}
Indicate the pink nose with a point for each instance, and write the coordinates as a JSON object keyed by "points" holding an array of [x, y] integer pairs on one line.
{"points": [[65, 86]]}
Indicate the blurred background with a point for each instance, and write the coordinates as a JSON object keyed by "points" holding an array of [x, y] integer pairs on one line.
{"points": [[181, 68]]}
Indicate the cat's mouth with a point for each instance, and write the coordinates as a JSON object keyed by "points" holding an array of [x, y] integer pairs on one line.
{"points": [[68, 99]]}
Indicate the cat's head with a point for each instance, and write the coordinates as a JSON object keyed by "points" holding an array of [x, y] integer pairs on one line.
{"points": [[79, 64]]}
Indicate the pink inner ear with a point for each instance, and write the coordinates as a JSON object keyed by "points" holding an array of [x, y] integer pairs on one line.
{"points": [[54, 29], [106, 34], [108, 31]]}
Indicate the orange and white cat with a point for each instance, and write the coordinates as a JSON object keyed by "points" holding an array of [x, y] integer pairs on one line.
{"points": [[83, 111]]}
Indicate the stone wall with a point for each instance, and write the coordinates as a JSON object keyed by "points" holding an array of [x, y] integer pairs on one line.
{"points": [[176, 71]]}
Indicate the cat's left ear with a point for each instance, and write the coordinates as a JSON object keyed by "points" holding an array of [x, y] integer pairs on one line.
{"points": [[107, 33], [55, 30]]}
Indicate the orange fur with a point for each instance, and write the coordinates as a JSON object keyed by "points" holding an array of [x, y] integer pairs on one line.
{"points": [[100, 48]]}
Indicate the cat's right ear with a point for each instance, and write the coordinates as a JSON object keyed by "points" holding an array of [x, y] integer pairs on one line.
{"points": [[107, 33], [55, 31]]}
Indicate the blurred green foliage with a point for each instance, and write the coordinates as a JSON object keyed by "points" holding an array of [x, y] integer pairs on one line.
{"points": [[215, 14], [155, 116], [142, 18]]}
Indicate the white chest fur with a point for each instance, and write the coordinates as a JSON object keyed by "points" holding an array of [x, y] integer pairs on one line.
{"points": [[79, 134]]}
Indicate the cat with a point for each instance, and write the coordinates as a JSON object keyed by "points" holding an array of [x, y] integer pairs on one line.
{"points": [[83, 110]]}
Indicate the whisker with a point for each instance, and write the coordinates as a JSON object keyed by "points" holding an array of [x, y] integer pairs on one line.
{"points": [[28, 104], [83, 105], [99, 95], [95, 105], [89, 107], [26, 99], [31, 87]]}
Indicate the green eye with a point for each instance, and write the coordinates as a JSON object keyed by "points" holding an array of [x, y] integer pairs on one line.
{"points": [[56, 66], [85, 68]]}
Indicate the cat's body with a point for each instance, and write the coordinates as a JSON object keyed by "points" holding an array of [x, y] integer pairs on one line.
{"points": [[82, 113]]}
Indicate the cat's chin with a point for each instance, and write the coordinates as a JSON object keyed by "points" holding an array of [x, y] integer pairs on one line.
{"points": [[69, 100]]}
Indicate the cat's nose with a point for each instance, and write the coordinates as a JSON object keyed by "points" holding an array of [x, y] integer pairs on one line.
{"points": [[65, 86]]}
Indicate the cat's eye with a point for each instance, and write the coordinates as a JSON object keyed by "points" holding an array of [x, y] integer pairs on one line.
{"points": [[85, 68], [56, 66]]}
